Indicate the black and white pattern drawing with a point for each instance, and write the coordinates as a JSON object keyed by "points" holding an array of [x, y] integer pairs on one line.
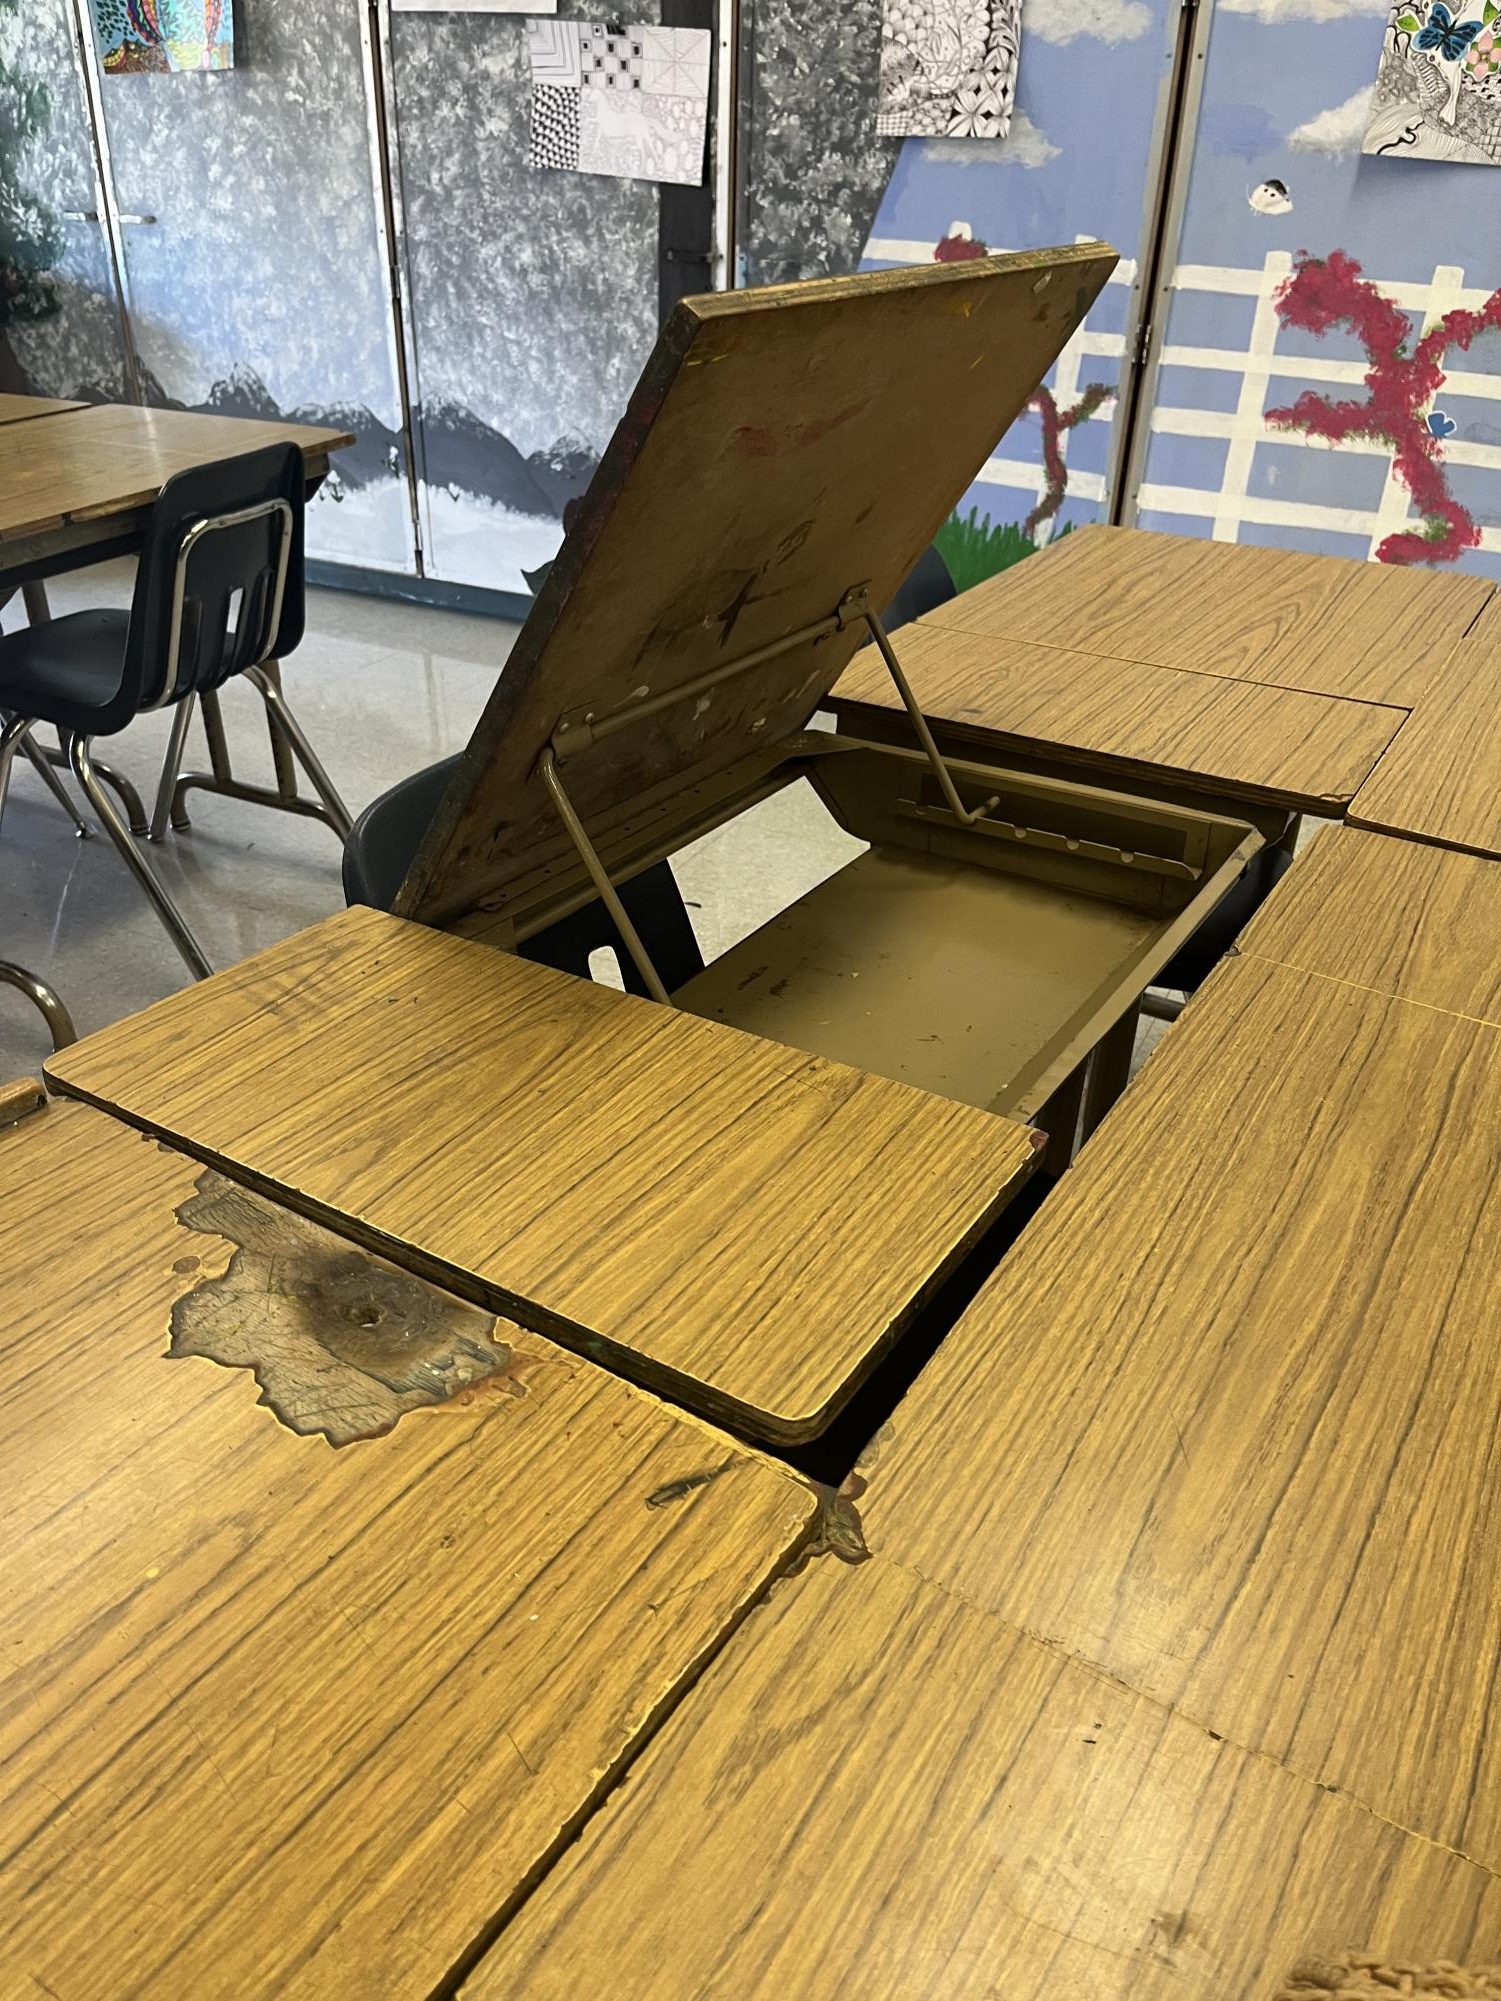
{"points": [[638, 98], [948, 67], [555, 126], [1438, 90]]}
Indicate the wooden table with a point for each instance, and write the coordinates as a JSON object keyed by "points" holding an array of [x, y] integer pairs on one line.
{"points": [[16, 409], [881, 1790], [285, 1716], [1259, 673], [1364, 632], [1236, 739], [1441, 779], [78, 485], [1234, 1395], [1173, 1667], [1397, 917], [739, 1224]]}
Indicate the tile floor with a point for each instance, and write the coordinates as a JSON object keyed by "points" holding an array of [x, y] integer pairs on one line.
{"points": [[382, 689]]}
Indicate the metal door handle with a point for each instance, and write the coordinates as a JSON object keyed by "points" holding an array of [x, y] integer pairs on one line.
{"points": [[92, 215]]}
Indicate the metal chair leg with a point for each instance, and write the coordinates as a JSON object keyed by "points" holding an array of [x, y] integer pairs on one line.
{"points": [[130, 799], [287, 743], [44, 770], [59, 1021], [12, 736], [281, 716], [88, 777], [167, 810]]}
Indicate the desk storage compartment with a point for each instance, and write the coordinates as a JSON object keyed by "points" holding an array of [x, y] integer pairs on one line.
{"points": [[982, 962]]}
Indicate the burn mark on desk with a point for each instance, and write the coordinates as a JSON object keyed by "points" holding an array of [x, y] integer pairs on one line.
{"points": [[341, 1343]]}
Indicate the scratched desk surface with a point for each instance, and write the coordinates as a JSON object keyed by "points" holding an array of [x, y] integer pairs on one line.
{"points": [[1320, 624], [1234, 737], [1441, 779], [879, 1790], [737, 1223], [288, 1716], [95, 469], [18, 409], [1229, 1403], [1399, 917]]}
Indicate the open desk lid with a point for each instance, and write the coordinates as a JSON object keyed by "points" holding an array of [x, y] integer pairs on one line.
{"points": [[783, 447]]}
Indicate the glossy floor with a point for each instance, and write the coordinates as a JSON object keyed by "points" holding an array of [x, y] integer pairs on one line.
{"points": [[382, 689]]}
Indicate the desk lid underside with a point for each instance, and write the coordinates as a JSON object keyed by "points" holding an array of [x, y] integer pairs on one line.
{"points": [[783, 447]]}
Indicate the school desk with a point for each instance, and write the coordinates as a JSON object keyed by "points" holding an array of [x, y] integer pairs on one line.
{"points": [[332, 1606]]}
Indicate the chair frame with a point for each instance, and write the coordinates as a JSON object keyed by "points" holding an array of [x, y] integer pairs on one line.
{"points": [[15, 735], [287, 738]]}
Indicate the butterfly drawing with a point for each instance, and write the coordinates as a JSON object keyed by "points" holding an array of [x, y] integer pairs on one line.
{"points": [[1444, 36], [1441, 425]]}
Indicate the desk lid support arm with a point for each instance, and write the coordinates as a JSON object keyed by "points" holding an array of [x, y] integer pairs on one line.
{"points": [[574, 733]]}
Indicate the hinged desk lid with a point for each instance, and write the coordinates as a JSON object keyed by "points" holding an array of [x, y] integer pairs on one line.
{"points": [[783, 447]]}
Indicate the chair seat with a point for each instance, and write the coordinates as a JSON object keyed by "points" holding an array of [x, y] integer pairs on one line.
{"points": [[66, 671]]}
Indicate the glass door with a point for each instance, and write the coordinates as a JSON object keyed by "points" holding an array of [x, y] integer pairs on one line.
{"points": [[78, 348], [255, 262]]}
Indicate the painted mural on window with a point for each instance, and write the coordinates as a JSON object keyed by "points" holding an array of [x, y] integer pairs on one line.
{"points": [[1074, 163], [1331, 373], [137, 35]]}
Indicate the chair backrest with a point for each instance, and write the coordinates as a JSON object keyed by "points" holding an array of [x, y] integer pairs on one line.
{"points": [[928, 586], [219, 587]]}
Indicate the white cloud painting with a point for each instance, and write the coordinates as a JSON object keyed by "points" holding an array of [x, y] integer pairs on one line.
{"points": [[1337, 131]]}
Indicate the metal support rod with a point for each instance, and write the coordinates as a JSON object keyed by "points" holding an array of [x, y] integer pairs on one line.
{"points": [[59, 1021], [37, 758], [135, 861], [962, 813], [599, 876], [1162, 1006], [162, 813]]}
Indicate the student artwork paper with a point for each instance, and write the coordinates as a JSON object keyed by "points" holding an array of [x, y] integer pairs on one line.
{"points": [[948, 67], [137, 35], [1438, 89], [633, 104], [474, 6]]}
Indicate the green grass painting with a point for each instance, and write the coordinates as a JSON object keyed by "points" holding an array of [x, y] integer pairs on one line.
{"points": [[975, 547]]}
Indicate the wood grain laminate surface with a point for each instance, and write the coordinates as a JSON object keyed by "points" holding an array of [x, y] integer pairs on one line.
{"points": [[1441, 780], [1307, 751], [878, 1790], [19, 409], [1396, 916], [110, 460], [758, 449], [1222, 1423], [736, 1221], [279, 1718], [1324, 624]]}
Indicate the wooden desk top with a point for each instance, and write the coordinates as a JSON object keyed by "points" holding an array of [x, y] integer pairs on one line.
{"points": [[110, 459], [1441, 779], [1321, 624], [1230, 1402], [1306, 751], [1398, 917], [16, 409], [740, 1223], [878, 1790], [284, 1718]]}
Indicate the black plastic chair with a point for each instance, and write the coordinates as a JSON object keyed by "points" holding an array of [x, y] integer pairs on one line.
{"points": [[386, 837], [218, 592], [928, 586]]}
